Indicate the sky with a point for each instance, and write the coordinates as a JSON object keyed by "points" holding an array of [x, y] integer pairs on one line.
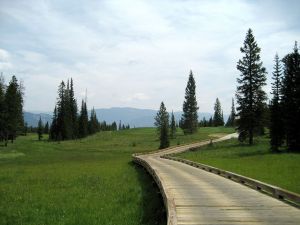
{"points": [[137, 53]]}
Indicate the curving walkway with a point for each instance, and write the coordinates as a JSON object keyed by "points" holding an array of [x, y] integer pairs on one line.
{"points": [[194, 196]]}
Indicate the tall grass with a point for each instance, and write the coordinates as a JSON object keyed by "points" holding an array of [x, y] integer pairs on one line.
{"points": [[281, 169], [88, 181]]}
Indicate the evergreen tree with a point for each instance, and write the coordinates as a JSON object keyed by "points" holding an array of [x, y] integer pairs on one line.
{"points": [[204, 122], [93, 123], [250, 95], [83, 121], [53, 129], [218, 115], [14, 108], [162, 124], [173, 126], [61, 113], [189, 120], [46, 128], [276, 119], [114, 126], [73, 111], [120, 125], [231, 119], [40, 129], [291, 99], [210, 122]]}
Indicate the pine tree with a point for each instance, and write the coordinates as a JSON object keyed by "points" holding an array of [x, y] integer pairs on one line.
{"points": [[250, 95], [40, 129], [14, 108], [61, 113], [276, 119], [218, 115], [53, 128], [231, 119], [210, 122], [83, 121], [162, 124], [189, 120], [173, 126], [291, 99], [73, 111], [46, 128], [93, 122]]}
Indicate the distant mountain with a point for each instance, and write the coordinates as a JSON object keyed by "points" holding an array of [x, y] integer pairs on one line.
{"points": [[132, 116], [32, 119], [135, 117]]}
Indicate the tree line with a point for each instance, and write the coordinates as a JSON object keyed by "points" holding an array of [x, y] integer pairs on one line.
{"points": [[253, 114], [189, 119], [11, 110], [284, 108], [70, 123]]}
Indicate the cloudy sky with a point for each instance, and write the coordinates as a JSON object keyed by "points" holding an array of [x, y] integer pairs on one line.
{"points": [[138, 53]]}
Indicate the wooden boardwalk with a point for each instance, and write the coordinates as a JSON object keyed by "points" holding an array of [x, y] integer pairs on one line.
{"points": [[194, 196]]}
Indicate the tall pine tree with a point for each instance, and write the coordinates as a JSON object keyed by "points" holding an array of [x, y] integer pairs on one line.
{"points": [[162, 124], [53, 128], [250, 95], [218, 114], [189, 119], [14, 108], [40, 129], [83, 121], [291, 99], [73, 111], [276, 119], [173, 126], [231, 119]]}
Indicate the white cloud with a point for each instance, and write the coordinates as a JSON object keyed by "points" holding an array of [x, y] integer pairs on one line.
{"points": [[4, 60], [123, 52]]}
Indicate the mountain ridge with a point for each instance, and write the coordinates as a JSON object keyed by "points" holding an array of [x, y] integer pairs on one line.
{"points": [[135, 117]]}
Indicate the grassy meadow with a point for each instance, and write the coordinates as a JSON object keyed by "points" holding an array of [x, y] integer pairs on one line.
{"points": [[280, 169], [88, 181]]}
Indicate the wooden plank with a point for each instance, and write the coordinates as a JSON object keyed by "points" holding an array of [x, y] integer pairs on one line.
{"points": [[195, 196]]}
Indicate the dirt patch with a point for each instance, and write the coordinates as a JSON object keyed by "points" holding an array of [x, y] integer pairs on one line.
{"points": [[218, 135]]}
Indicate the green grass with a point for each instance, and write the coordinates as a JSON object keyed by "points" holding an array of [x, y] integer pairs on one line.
{"points": [[88, 181], [281, 169]]}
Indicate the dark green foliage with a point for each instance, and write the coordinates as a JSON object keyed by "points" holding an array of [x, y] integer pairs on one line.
{"points": [[250, 95], [46, 128], [173, 126], [203, 122], [53, 129], [162, 124], [276, 118], [13, 102], [231, 119], [66, 123], [93, 123], [210, 122], [218, 115], [114, 126], [73, 111], [189, 120], [83, 121], [40, 129], [291, 99]]}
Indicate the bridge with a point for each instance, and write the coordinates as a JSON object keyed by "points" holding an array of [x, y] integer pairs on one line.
{"points": [[195, 196]]}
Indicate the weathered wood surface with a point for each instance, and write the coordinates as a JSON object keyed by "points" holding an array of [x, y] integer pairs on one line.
{"points": [[193, 196]]}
